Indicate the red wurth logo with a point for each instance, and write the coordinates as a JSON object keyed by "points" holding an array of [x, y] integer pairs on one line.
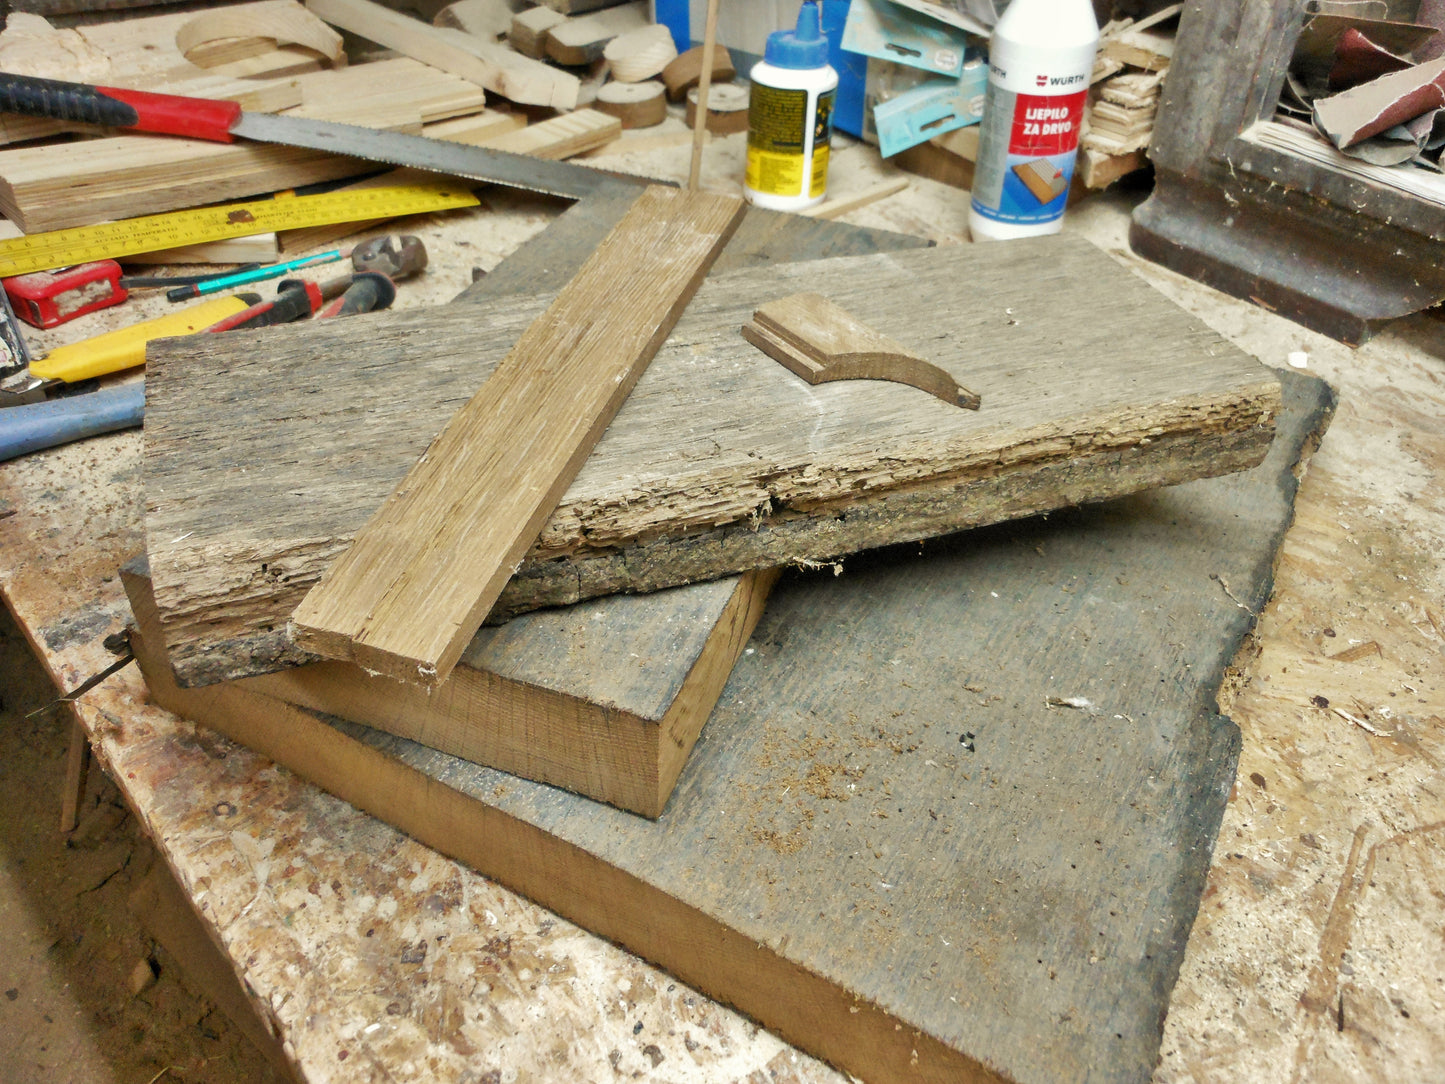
{"points": [[1041, 80]]}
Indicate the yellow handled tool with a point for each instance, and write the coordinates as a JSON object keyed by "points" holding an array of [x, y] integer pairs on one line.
{"points": [[125, 348]]}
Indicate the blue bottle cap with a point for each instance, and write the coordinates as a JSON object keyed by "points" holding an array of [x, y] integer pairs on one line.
{"points": [[804, 47]]}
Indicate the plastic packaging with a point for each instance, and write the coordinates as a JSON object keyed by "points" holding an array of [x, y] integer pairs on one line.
{"points": [[790, 117], [1040, 58]]}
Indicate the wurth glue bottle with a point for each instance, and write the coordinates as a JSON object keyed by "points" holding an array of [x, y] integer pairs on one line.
{"points": [[790, 117], [1039, 59]]}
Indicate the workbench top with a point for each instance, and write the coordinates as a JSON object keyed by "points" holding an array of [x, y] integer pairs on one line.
{"points": [[1323, 891]]}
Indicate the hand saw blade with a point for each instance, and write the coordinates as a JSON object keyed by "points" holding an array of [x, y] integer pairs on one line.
{"points": [[222, 121], [433, 155]]}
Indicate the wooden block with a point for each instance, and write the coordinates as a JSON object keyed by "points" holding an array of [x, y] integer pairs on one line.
{"points": [[636, 105], [582, 40], [1099, 169], [720, 460], [559, 137], [1134, 89], [417, 581], [1148, 49], [821, 342], [640, 54], [489, 20], [434, 94], [133, 175], [646, 144], [605, 698], [258, 248], [492, 66], [727, 108], [476, 128], [528, 31], [580, 7], [683, 73]]}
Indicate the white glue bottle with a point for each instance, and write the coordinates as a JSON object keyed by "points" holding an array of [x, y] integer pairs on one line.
{"points": [[790, 117], [1040, 58]]}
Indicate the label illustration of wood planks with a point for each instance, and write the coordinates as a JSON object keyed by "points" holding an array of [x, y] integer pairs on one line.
{"points": [[418, 579]]}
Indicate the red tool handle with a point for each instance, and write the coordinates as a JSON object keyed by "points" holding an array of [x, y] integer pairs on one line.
{"points": [[113, 107]]}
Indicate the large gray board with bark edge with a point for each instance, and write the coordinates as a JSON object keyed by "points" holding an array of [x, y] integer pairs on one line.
{"points": [[895, 843], [219, 647], [264, 460]]}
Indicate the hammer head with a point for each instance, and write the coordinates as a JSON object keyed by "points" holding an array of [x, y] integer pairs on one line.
{"points": [[396, 257]]}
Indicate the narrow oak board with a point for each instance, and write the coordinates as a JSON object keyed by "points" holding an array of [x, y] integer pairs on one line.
{"points": [[1094, 386], [895, 843], [419, 578]]}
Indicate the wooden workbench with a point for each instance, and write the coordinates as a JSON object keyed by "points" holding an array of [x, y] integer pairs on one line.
{"points": [[1324, 887]]}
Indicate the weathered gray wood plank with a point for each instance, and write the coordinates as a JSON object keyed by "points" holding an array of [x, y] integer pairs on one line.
{"points": [[265, 459], [889, 846]]}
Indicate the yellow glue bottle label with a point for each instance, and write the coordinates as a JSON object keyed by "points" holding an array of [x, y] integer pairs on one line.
{"points": [[790, 117], [822, 140], [777, 137], [786, 138]]}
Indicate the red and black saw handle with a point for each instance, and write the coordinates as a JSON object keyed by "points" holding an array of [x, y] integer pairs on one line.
{"points": [[113, 107]]}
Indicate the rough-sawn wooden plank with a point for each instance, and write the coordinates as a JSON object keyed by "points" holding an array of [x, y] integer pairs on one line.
{"points": [[417, 581], [264, 461]]}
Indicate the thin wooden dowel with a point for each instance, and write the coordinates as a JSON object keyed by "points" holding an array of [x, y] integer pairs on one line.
{"points": [[704, 83]]}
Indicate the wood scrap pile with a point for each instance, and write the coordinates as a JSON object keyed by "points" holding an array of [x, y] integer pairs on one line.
{"points": [[271, 56], [1128, 80]]}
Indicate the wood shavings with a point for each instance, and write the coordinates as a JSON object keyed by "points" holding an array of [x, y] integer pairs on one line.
{"points": [[1232, 597], [1347, 717]]}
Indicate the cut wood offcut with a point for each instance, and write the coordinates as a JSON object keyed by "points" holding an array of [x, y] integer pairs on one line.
{"points": [[820, 342], [636, 105], [415, 584]]}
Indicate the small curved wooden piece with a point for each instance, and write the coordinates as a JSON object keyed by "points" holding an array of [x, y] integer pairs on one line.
{"points": [[821, 342], [213, 37]]}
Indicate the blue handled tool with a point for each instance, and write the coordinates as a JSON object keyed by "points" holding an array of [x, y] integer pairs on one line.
{"points": [[25, 429]]}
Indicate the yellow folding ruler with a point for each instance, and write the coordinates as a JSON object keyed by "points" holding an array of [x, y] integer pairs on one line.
{"points": [[152, 233]]}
